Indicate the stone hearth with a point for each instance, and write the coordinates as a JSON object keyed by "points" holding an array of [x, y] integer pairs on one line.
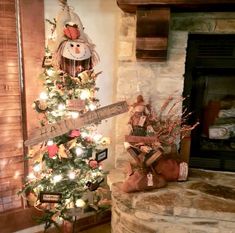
{"points": [[203, 204]]}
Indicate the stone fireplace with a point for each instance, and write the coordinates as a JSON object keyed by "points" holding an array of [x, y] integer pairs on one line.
{"points": [[205, 203], [157, 80]]}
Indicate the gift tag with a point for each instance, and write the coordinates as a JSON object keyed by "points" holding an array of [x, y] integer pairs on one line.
{"points": [[150, 129], [150, 179], [183, 171], [142, 121]]}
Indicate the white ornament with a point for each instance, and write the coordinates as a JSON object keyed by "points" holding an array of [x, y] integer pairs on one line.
{"points": [[57, 178], [80, 203], [72, 175]]}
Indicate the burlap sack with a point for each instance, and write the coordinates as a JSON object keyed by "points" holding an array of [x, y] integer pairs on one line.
{"points": [[141, 180]]}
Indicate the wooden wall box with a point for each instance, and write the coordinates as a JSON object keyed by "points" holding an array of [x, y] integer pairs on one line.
{"points": [[153, 19], [152, 33]]}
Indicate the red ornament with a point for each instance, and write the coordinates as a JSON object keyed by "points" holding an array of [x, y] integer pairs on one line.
{"points": [[93, 164], [88, 139], [52, 150], [74, 133], [72, 32]]}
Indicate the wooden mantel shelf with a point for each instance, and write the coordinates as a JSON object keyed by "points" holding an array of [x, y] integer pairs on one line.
{"points": [[178, 5], [153, 20]]}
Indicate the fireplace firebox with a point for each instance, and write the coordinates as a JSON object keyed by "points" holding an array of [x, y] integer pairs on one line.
{"points": [[210, 90]]}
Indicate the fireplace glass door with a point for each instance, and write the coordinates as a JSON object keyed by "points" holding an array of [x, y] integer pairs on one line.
{"points": [[210, 87]]}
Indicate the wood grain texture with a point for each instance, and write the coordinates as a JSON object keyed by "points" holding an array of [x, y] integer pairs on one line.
{"points": [[152, 33], [11, 143], [52, 130], [179, 5], [33, 44], [22, 219]]}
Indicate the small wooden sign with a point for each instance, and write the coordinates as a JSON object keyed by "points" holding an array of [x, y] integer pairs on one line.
{"points": [[75, 105], [105, 112], [152, 158], [102, 155], [53, 130], [143, 139], [47, 61], [50, 197]]}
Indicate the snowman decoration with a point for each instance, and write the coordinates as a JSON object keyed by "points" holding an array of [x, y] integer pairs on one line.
{"points": [[75, 51], [75, 54]]}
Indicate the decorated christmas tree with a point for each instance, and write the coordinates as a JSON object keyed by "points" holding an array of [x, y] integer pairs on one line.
{"points": [[66, 171]]}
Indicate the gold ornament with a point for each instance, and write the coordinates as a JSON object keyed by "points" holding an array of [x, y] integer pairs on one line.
{"points": [[71, 144], [62, 152], [31, 198]]}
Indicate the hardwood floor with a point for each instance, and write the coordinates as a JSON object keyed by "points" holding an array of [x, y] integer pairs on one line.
{"points": [[104, 228]]}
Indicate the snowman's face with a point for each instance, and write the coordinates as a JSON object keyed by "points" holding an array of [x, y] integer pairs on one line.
{"points": [[75, 50]]}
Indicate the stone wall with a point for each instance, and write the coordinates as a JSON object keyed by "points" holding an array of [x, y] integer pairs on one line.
{"points": [[157, 80]]}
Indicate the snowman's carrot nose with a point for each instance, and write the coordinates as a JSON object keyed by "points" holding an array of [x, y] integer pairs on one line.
{"points": [[77, 50]]}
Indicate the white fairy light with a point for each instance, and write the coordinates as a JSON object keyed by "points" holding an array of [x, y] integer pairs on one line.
{"points": [[57, 178], [85, 94], [72, 175], [31, 176], [47, 54], [16, 175], [79, 151], [37, 167], [97, 137], [80, 203], [43, 95], [50, 143], [69, 203], [84, 134], [61, 107], [74, 115], [92, 107], [55, 113], [50, 72], [48, 81], [3, 163], [40, 186], [94, 174]]}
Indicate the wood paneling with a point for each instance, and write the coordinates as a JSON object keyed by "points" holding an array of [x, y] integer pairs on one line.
{"points": [[13, 100], [33, 44], [12, 97], [11, 143]]}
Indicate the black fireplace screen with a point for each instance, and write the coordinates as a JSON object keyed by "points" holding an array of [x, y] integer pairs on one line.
{"points": [[210, 87]]}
